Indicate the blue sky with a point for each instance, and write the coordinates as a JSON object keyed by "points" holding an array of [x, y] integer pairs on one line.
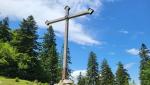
{"points": [[122, 25], [115, 31]]}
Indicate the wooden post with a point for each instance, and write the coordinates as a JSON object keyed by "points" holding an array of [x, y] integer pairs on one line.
{"points": [[66, 18]]}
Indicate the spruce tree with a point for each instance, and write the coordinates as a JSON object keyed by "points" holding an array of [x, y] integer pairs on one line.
{"points": [[49, 57], [5, 32], [132, 83], [81, 80], [60, 65], [92, 70], [144, 65], [68, 61], [122, 77], [107, 77], [25, 38], [147, 73]]}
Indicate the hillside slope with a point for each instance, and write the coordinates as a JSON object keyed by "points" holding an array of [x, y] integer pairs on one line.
{"points": [[16, 81]]}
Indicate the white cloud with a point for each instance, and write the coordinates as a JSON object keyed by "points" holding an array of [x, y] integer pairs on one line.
{"points": [[133, 51], [124, 31], [112, 53], [138, 83], [52, 9], [129, 65], [76, 73], [148, 54], [110, 0]]}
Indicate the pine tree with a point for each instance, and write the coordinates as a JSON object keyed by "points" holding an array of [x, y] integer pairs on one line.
{"points": [[81, 80], [50, 57], [122, 77], [107, 77], [68, 61], [60, 65], [132, 83], [147, 73], [25, 39], [5, 34], [144, 65], [92, 70]]}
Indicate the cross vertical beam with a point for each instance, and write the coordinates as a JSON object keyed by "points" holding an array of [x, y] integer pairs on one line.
{"points": [[64, 74]]}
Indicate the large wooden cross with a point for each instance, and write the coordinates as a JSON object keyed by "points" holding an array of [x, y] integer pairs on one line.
{"points": [[66, 18]]}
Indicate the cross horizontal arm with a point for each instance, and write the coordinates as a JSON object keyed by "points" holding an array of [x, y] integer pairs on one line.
{"points": [[54, 21], [89, 11]]}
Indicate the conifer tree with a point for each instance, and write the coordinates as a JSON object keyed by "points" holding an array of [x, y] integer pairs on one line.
{"points": [[81, 80], [25, 39], [60, 65], [50, 57], [5, 34], [132, 83], [92, 70], [144, 65], [122, 77], [107, 77], [68, 61]]}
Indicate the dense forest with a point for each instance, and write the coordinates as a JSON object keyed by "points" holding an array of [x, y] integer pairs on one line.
{"points": [[22, 56]]}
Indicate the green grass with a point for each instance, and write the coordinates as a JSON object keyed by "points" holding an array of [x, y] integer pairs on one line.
{"points": [[9, 81]]}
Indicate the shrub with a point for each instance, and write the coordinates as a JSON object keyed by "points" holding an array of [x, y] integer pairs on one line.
{"points": [[17, 79], [36, 81]]}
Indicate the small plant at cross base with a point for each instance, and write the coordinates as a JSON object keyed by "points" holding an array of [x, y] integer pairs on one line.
{"points": [[17, 79]]}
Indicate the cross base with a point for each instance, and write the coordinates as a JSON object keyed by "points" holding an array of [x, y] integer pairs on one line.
{"points": [[65, 82]]}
